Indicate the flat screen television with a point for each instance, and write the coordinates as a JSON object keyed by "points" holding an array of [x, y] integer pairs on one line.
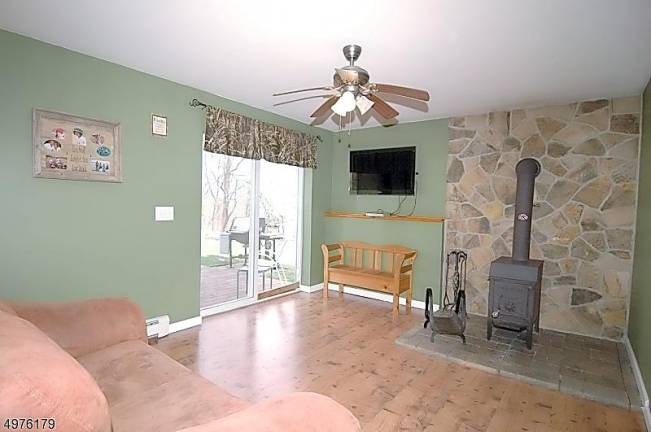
{"points": [[390, 171]]}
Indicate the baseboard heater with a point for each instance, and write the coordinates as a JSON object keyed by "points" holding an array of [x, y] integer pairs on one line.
{"points": [[158, 327]]}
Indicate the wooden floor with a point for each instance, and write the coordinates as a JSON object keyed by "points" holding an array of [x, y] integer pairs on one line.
{"points": [[345, 349]]}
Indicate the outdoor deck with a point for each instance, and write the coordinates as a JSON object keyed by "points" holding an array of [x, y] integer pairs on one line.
{"points": [[219, 284]]}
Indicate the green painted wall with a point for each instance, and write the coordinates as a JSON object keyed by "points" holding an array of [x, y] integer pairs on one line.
{"points": [[639, 321], [63, 240], [316, 202], [431, 141]]}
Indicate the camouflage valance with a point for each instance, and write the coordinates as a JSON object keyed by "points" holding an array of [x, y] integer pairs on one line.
{"points": [[236, 135]]}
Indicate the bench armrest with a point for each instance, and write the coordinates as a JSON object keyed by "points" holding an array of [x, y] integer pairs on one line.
{"points": [[327, 258], [86, 326], [404, 263], [295, 412]]}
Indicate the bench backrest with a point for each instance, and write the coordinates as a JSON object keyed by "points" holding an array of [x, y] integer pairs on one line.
{"points": [[369, 256]]}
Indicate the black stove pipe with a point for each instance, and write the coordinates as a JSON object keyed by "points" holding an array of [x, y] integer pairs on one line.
{"points": [[527, 170]]}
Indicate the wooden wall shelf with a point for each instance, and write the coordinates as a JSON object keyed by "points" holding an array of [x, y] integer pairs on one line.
{"points": [[431, 219]]}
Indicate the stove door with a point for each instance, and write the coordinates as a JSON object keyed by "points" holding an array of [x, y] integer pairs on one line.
{"points": [[510, 299]]}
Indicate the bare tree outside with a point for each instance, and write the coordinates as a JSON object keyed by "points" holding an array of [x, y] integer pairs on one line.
{"points": [[226, 189]]}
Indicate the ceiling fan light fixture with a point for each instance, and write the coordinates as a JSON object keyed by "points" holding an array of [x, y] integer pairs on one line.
{"points": [[351, 89], [345, 104], [363, 104]]}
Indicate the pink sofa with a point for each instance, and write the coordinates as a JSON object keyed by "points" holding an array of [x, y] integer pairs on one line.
{"points": [[87, 365]]}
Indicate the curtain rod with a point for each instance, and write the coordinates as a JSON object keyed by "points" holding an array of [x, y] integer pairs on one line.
{"points": [[197, 103]]}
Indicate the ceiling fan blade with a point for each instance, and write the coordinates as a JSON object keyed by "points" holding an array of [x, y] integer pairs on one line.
{"points": [[325, 107], [402, 91], [300, 99], [348, 76], [382, 108], [363, 104], [304, 90]]}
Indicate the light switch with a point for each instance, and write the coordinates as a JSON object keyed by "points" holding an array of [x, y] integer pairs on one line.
{"points": [[163, 213]]}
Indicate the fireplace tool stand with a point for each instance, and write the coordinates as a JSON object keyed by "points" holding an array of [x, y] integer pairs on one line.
{"points": [[451, 317]]}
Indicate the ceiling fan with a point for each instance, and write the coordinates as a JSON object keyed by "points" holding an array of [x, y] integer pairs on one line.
{"points": [[351, 89]]}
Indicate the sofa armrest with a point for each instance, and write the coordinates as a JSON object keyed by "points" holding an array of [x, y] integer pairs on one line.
{"points": [[294, 412], [86, 326]]}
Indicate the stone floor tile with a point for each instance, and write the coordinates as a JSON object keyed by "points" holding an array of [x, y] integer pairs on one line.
{"points": [[411, 332], [550, 354], [630, 385], [604, 356], [487, 344], [571, 385], [613, 380], [602, 369], [522, 375], [626, 367], [574, 358], [518, 358], [419, 337], [545, 371], [551, 341], [605, 394], [585, 342], [486, 362], [634, 399]]}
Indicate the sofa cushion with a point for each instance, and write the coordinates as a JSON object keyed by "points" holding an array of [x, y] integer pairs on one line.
{"points": [[40, 380], [148, 391]]}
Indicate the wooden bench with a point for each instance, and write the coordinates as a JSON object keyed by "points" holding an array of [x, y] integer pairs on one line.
{"points": [[386, 269]]}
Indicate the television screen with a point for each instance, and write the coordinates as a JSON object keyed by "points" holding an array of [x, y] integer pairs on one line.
{"points": [[389, 171]]}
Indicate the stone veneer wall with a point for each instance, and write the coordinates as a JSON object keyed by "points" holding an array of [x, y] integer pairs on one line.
{"points": [[585, 205]]}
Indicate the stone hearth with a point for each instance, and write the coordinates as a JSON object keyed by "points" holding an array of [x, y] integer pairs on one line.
{"points": [[582, 366], [585, 205]]}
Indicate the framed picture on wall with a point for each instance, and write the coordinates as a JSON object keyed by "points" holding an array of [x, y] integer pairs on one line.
{"points": [[69, 147], [158, 125]]}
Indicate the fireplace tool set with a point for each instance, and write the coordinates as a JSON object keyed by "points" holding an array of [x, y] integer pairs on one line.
{"points": [[451, 316]]}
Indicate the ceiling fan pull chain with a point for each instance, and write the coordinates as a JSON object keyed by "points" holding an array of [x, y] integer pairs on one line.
{"points": [[350, 122]]}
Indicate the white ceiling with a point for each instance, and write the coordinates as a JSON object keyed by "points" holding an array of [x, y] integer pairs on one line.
{"points": [[472, 56]]}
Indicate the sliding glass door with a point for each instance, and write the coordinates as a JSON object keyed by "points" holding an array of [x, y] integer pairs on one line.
{"points": [[279, 205], [250, 230], [225, 228]]}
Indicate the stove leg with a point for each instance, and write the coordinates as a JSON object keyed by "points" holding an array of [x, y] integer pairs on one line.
{"points": [[489, 329], [530, 336], [463, 339]]}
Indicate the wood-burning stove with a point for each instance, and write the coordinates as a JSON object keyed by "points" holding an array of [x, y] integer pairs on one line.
{"points": [[515, 282]]}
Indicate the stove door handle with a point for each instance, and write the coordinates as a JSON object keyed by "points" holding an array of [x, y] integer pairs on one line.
{"points": [[495, 314]]}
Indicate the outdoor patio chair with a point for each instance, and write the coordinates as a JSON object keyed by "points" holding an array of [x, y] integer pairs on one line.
{"points": [[266, 263]]}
